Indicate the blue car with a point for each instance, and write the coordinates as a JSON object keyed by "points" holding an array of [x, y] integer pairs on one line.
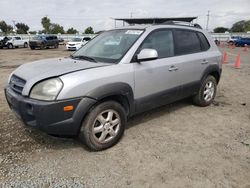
{"points": [[242, 42]]}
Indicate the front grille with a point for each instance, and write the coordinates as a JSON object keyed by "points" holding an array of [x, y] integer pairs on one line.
{"points": [[17, 84], [32, 43]]}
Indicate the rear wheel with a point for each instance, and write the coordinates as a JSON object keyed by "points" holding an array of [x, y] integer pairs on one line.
{"points": [[103, 126], [25, 45], [206, 93]]}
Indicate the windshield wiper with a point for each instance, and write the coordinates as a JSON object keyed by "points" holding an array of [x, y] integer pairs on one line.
{"points": [[84, 57]]}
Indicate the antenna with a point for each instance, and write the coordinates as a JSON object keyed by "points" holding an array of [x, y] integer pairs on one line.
{"points": [[208, 14], [14, 25]]}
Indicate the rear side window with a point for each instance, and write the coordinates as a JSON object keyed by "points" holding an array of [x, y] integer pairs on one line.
{"points": [[186, 42], [162, 41], [204, 43]]}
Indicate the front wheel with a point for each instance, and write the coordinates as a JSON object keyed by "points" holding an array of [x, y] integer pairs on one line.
{"points": [[42, 46], [104, 126], [206, 93], [10, 46]]}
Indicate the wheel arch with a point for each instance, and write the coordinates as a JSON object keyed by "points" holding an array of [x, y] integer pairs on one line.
{"points": [[119, 92], [213, 70]]}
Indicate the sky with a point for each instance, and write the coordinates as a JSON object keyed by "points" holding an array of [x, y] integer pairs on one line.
{"points": [[99, 13]]}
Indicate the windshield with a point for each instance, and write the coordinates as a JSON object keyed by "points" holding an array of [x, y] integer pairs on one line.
{"points": [[38, 37], [76, 40], [110, 46]]}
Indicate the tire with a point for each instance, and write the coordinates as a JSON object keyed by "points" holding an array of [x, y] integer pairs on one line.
{"points": [[42, 46], [32, 47], [207, 92], [10, 46], [107, 135], [56, 46], [25, 45]]}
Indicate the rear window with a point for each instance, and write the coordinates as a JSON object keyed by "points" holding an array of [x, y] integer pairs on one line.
{"points": [[186, 42], [204, 43]]}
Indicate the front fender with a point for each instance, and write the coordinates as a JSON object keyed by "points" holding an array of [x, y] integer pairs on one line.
{"points": [[114, 89]]}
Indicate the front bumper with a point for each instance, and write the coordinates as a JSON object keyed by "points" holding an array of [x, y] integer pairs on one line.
{"points": [[49, 117], [35, 44], [75, 47]]}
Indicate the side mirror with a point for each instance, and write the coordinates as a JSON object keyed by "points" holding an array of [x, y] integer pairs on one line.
{"points": [[147, 55]]}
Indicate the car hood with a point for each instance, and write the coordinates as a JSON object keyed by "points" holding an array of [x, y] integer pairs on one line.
{"points": [[43, 69], [74, 43]]}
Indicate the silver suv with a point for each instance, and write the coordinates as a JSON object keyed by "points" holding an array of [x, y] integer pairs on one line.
{"points": [[116, 75]]}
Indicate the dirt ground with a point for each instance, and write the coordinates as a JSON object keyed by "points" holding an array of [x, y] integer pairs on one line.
{"points": [[179, 145]]}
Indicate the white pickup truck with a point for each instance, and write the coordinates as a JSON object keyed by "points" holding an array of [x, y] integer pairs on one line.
{"points": [[15, 42]]}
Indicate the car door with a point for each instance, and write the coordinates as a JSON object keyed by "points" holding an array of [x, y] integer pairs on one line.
{"points": [[191, 53], [48, 41], [156, 81], [17, 41]]}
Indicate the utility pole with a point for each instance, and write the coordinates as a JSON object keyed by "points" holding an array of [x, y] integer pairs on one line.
{"points": [[14, 25], [208, 14]]}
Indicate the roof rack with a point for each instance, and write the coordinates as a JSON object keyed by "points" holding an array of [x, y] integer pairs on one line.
{"points": [[181, 23]]}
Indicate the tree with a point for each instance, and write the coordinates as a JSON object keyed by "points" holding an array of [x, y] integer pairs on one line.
{"points": [[46, 24], [71, 31], [220, 29], [89, 30], [33, 32], [5, 28], [22, 28], [241, 26], [56, 28]]}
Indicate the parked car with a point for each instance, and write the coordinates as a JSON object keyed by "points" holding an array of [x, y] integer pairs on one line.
{"points": [[43, 41], [242, 42], [93, 92], [61, 41], [232, 39], [15, 42], [3, 42], [77, 43], [217, 42]]}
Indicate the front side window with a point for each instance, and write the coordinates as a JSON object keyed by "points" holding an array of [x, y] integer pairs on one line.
{"points": [[86, 39], [110, 46], [186, 42], [162, 41]]}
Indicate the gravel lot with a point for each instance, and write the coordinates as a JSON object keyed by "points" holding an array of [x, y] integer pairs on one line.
{"points": [[179, 145]]}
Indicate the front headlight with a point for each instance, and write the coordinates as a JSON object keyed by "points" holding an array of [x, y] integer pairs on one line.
{"points": [[47, 90]]}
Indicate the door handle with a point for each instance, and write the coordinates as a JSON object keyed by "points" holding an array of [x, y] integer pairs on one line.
{"points": [[173, 68], [204, 62]]}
